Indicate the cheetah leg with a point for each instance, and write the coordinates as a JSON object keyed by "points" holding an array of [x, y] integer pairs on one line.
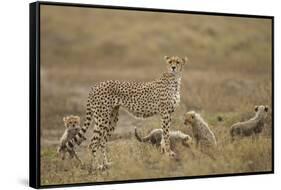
{"points": [[165, 142], [95, 144], [107, 133], [63, 154], [74, 154], [113, 121], [105, 162]]}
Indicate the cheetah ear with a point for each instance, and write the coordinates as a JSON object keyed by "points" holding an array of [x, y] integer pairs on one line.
{"points": [[78, 119], [185, 60], [266, 108], [192, 115], [166, 58], [256, 108]]}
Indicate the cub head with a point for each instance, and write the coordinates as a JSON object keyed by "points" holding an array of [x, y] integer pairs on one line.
{"points": [[261, 111], [189, 117], [175, 64], [187, 141], [71, 122]]}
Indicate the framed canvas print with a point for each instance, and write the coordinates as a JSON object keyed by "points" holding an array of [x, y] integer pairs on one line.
{"points": [[120, 94]]}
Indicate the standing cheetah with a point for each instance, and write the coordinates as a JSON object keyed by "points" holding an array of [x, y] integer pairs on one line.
{"points": [[252, 126], [141, 99]]}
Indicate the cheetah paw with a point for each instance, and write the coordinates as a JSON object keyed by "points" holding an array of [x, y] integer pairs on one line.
{"points": [[104, 166]]}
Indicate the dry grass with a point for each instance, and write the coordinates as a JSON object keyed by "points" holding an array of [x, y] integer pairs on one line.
{"points": [[229, 72]]}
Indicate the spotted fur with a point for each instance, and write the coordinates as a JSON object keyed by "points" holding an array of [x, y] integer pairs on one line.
{"points": [[141, 99]]}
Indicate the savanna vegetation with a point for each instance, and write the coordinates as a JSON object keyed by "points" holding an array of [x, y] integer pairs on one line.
{"points": [[228, 74]]}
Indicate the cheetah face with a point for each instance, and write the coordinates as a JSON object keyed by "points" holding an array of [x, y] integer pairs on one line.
{"points": [[71, 122], [175, 64], [189, 118], [187, 140], [261, 111]]}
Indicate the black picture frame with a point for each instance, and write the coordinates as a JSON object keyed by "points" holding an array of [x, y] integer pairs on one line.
{"points": [[34, 91]]}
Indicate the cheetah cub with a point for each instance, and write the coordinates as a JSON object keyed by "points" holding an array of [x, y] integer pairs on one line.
{"points": [[252, 126], [202, 133], [205, 139], [72, 127], [155, 137]]}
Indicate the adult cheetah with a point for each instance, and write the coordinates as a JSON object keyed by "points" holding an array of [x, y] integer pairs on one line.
{"points": [[141, 99]]}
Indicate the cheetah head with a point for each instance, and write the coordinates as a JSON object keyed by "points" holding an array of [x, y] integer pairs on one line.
{"points": [[261, 111], [187, 141], [189, 117], [175, 64], [71, 122]]}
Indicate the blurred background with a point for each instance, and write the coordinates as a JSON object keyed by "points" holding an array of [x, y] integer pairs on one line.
{"points": [[228, 74]]}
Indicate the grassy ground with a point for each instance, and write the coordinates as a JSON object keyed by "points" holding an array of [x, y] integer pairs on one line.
{"points": [[228, 74]]}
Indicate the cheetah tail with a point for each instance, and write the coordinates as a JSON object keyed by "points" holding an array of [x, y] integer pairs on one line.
{"points": [[80, 136], [142, 139], [232, 134], [137, 136]]}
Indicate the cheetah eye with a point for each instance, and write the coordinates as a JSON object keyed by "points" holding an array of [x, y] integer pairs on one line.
{"points": [[169, 61], [192, 117], [177, 62]]}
